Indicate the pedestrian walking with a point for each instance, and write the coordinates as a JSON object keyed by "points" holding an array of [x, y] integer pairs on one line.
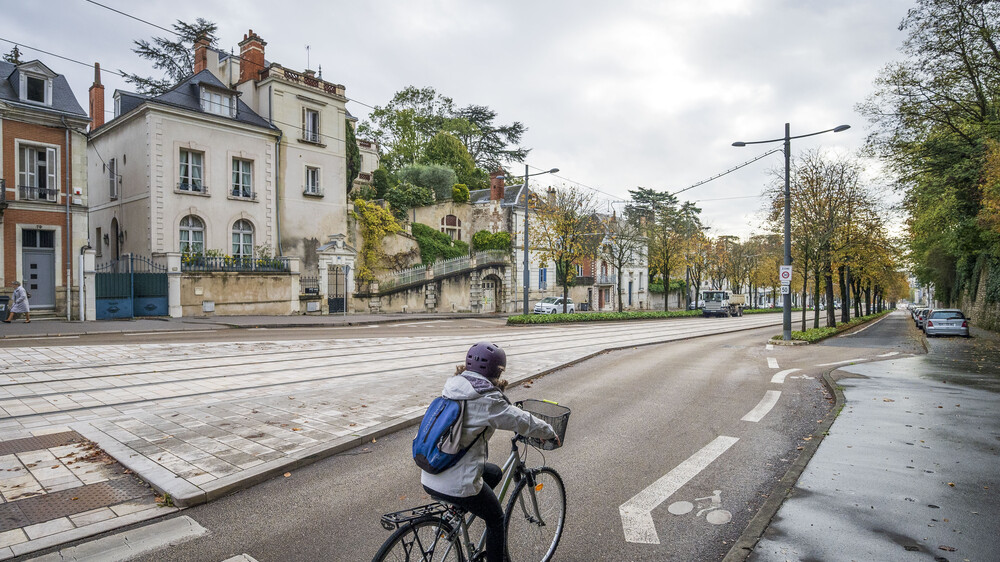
{"points": [[19, 305]]}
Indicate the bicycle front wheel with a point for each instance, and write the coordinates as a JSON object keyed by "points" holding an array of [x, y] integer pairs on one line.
{"points": [[535, 516], [430, 539]]}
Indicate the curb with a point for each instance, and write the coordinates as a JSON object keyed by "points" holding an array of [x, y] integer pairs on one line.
{"points": [[785, 487]]}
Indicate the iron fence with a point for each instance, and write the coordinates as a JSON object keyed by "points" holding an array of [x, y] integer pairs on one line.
{"points": [[233, 263]]}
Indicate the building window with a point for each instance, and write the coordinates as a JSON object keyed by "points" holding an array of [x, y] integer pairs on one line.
{"points": [[31, 238], [242, 239], [312, 182], [192, 235], [98, 244], [579, 270], [37, 176], [242, 178], [310, 125], [217, 103], [113, 178], [452, 226], [35, 89], [191, 168], [543, 274]]}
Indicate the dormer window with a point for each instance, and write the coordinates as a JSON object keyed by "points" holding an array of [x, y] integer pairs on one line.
{"points": [[37, 89], [218, 103]]}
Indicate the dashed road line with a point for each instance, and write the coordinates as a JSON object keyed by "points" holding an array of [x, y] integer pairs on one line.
{"points": [[763, 407], [769, 346], [637, 521], [779, 377], [772, 363]]}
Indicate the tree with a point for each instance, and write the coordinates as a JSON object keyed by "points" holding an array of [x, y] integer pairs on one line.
{"points": [[566, 231], [435, 177], [933, 115], [173, 56], [668, 228], [405, 126], [382, 181], [14, 56], [460, 193], [446, 150], [622, 247], [405, 196], [353, 154]]}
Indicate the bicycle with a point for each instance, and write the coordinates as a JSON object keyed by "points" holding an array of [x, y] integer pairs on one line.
{"points": [[534, 516]]}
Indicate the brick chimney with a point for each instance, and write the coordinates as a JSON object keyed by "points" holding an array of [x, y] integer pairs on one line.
{"points": [[496, 185], [251, 57], [96, 99], [551, 196], [201, 54]]}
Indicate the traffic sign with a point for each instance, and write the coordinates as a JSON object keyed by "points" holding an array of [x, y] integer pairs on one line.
{"points": [[785, 274], [786, 290]]}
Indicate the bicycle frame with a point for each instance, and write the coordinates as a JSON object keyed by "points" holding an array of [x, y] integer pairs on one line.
{"points": [[510, 468]]}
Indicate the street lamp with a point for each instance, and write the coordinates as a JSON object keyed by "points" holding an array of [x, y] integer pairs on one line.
{"points": [[524, 188], [786, 324]]}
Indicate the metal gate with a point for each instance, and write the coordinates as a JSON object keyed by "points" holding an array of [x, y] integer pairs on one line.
{"points": [[336, 288], [131, 286]]}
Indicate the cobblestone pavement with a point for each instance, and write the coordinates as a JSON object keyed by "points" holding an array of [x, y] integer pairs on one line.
{"points": [[200, 420]]}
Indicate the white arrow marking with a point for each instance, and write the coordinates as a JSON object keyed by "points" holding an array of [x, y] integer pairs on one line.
{"points": [[763, 407], [637, 520], [779, 377], [772, 363]]}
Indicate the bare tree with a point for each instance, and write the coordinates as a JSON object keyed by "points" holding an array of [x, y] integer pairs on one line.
{"points": [[622, 247]]}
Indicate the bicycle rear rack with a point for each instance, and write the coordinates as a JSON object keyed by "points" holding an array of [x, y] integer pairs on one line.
{"points": [[392, 521]]}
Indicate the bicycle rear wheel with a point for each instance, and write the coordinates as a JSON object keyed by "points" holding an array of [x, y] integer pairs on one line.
{"points": [[535, 516], [429, 539]]}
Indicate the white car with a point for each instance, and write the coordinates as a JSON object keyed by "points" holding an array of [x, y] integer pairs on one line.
{"points": [[553, 305]]}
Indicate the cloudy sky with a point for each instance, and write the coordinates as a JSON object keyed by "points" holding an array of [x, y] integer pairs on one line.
{"points": [[615, 94]]}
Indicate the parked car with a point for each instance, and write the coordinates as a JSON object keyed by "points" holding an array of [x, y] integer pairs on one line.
{"points": [[696, 305], [921, 317], [946, 322], [553, 305]]}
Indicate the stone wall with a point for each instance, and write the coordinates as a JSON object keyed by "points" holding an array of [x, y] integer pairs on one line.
{"points": [[984, 315], [239, 293]]}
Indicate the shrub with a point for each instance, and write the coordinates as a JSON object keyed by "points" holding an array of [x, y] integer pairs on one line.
{"points": [[435, 177], [460, 193], [485, 240], [816, 334], [434, 244], [599, 316], [405, 196]]}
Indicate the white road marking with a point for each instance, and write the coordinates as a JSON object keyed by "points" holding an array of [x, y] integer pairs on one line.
{"points": [[241, 558], [772, 363], [49, 338], [142, 334], [865, 328], [412, 324], [769, 346], [132, 544], [890, 354], [763, 407], [637, 521], [842, 362], [779, 377]]}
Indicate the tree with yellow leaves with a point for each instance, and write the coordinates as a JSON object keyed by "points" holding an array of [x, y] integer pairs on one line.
{"points": [[567, 230]]}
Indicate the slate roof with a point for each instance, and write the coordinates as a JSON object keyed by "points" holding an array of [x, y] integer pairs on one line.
{"points": [[63, 100], [483, 195], [187, 95]]}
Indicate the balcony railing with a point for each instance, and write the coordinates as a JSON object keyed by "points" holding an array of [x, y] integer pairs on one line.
{"points": [[583, 281], [312, 190], [606, 279], [233, 263], [34, 193], [365, 176], [243, 193], [310, 136], [442, 267], [187, 187]]}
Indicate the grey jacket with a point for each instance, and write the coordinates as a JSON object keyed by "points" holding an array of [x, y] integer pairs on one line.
{"points": [[485, 409]]}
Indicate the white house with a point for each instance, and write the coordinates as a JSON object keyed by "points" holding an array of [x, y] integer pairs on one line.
{"points": [[191, 170]]}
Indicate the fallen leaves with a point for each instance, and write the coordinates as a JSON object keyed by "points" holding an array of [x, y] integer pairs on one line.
{"points": [[287, 474]]}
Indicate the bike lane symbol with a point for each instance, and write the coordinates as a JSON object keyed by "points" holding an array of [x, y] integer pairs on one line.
{"points": [[710, 506]]}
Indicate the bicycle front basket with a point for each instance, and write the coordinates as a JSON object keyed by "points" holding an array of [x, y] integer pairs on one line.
{"points": [[555, 415]]}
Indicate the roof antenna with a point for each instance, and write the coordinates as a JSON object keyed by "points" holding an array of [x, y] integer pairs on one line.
{"points": [[307, 57], [321, 72]]}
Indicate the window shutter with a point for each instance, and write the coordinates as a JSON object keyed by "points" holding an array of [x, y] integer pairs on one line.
{"points": [[51, 166], [304, 124], [24, 175]]}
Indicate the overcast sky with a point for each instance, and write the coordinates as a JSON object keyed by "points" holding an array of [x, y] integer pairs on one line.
{"points": [[614, 94]]}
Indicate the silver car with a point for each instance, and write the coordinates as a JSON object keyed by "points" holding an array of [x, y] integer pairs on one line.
{"points": [[553, 305], [946, 322]]}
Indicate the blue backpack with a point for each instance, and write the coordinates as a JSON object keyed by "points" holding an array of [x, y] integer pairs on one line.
{"points": [[435, 448]]}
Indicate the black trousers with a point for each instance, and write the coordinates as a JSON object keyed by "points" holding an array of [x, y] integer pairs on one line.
{"points": [[485, 506]]}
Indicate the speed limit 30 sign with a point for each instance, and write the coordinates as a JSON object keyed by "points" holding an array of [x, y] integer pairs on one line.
{"points": [[785, 274]]}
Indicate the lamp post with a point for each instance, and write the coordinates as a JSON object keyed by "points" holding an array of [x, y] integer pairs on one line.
{"points": [[786, 313], [524, 190]]}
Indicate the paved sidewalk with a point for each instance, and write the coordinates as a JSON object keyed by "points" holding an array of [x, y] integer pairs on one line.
{"points": [[54, 327], [200, 420], [910, 469]]}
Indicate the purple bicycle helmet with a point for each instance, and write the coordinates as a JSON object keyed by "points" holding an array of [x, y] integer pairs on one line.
{"points": [[487, 359]]}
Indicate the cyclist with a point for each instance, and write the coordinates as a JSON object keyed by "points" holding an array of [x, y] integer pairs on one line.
{"points": [[487, 409]]}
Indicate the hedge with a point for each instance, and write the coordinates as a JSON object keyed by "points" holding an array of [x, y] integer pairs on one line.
{"points": [[599, 316], [813, 335]]}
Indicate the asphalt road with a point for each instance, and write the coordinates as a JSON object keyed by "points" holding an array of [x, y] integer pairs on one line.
{"points": [[638, 415]]}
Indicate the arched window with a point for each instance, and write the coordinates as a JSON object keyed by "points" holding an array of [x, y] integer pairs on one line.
{"points": [[242, 239], [192, 235]]}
